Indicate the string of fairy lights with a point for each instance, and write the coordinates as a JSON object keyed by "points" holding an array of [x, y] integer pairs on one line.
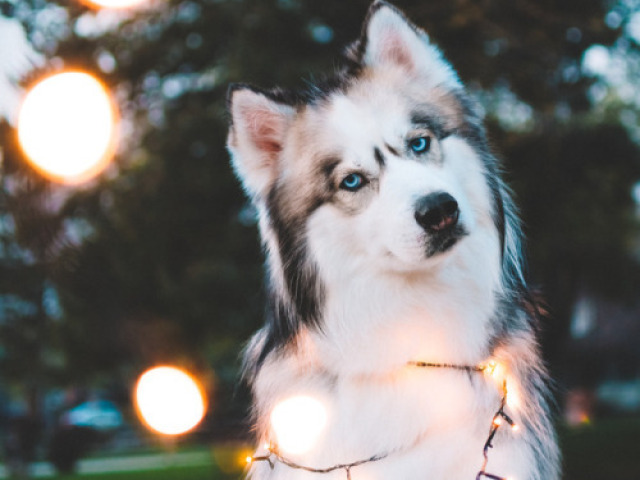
{"points": [[273, 453], [501, 417]]}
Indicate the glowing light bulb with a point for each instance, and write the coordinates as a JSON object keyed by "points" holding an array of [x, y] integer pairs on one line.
{"points": [[297, 423], [249, 459], [66, 127], [169, 400], [513, 397], [497, 421], [515, 427], [490, 367], [497, 371]]}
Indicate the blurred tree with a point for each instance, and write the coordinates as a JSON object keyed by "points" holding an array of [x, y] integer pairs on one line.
{"points": [[25, 326], [30, 355], [574, 184], [167, 264]]}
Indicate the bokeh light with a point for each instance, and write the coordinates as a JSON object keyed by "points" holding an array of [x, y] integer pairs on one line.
{"points": [[169, 400], [115, 3], [66, 127], [297, 423], [231, 458]]}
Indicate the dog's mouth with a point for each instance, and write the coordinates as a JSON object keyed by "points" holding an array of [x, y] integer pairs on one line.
{"points": [[444, 241]]}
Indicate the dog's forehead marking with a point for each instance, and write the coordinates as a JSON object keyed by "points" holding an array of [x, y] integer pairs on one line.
{"points": [[361, 128], [377, 154]]}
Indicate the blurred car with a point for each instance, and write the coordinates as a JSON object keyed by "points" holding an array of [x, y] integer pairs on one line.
{"points": [[102, 415], [80, 430]]}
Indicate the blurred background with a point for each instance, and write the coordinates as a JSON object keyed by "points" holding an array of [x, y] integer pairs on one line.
{"points": [[155, 259]]}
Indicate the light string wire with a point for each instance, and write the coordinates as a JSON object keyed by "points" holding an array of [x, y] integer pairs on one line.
{"points": [[498, 420], [273, 453]]}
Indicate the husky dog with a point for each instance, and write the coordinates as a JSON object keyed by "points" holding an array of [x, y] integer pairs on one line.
{"points": [[391, 243]]}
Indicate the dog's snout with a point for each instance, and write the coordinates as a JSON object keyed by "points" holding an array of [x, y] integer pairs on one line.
{"points": [[437, 211]]}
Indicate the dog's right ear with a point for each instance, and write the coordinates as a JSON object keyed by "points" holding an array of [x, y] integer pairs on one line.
{"points": [[258, 129], [390, 40]]}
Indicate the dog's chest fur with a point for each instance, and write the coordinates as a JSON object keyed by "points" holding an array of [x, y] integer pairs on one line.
{"points": [[433, 421]]}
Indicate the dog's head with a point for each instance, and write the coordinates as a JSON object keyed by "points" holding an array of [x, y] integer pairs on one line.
{"points": [[385, 168]]}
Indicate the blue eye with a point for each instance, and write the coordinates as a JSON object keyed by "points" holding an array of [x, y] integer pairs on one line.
{"points": [[420, 144], [352, 182]]}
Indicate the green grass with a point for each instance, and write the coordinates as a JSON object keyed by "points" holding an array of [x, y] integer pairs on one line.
{"points": [[177, 473], [606, 450], [220, 462]]}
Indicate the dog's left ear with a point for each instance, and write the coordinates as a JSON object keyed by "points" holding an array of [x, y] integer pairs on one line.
{"points": [[390, 40], [259, 124]]}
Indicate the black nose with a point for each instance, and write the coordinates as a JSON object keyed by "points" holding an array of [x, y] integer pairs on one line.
{"points": [[437, 211]]}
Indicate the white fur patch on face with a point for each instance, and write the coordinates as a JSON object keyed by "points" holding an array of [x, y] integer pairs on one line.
{"points": [[356, 129], [465, 165]]}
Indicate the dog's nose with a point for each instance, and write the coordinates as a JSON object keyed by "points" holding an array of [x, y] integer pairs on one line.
{"points": [[437, 211]]}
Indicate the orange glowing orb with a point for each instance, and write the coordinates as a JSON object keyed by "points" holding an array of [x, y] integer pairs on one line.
{"points": [[298, 423], [115, 3], [66, 127], [169, 400]]}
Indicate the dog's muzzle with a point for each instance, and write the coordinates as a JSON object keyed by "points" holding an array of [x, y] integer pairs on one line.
{"points": [[439, 216], [437, 212]]}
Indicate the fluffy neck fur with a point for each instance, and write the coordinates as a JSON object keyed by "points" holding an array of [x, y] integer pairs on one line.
{"points": [[376, 321]]}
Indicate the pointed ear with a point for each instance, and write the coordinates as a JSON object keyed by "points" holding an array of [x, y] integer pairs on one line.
{"points": [[389, 39], [256, 136]]}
